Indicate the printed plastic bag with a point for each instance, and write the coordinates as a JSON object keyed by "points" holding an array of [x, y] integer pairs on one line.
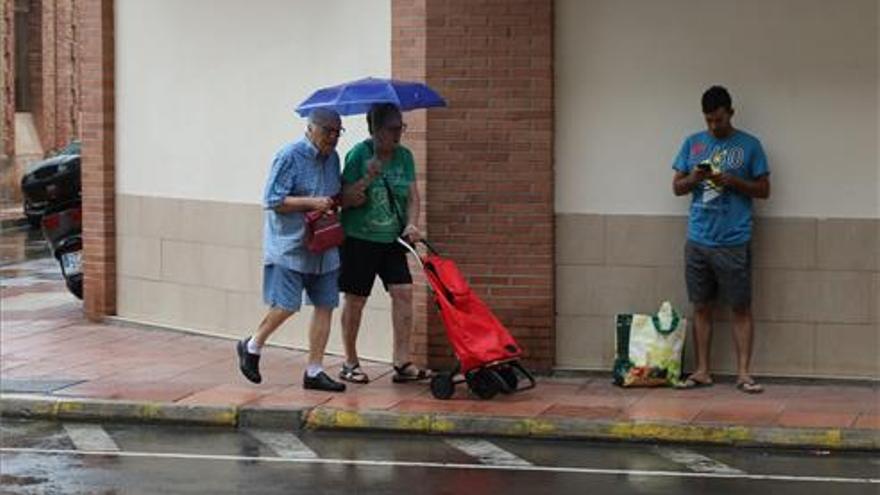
{"points": [[649, 348]]}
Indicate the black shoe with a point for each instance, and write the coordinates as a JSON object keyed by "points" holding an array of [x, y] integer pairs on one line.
{"points": [[248, 363], [322, 381]]}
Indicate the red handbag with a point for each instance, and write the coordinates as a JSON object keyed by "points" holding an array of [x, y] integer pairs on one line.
{"points": [[323, 230]]}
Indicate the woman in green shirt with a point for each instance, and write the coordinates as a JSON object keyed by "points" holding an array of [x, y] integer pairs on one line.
{"points": [[381, 203]]}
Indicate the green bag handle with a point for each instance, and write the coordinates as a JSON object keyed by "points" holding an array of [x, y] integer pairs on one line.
{"points": [[676, 319]]}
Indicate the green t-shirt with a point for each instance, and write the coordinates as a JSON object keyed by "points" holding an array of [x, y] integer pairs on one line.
{"points": [[375, 220]]}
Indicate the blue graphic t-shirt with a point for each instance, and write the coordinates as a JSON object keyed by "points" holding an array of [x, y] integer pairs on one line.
{"points": [[721, 216]]}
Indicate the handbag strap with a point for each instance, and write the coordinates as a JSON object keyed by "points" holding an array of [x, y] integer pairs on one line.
{"points": [[390, 193], [393, 202]]}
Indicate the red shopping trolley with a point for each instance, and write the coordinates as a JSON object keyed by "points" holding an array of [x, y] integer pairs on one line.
{"points": [[488, 357]]}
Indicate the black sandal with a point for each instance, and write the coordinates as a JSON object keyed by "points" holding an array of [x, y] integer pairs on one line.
{"points": [[401, 375], [353, 374]]}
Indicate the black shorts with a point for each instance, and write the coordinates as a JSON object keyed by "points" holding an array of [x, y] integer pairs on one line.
{"points": [[710, 270], [362, 260]]}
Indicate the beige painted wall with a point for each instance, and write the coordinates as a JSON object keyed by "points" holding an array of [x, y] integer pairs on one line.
{"points": [[804, 78], [196, 265], [205, 96], [207, 88]]}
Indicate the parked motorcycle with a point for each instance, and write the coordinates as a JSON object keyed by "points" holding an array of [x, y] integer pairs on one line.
{"points": [[62, 228], [52, 199]]}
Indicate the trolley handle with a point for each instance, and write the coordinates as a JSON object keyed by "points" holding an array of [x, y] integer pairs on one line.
{"points": [[411, 247]]}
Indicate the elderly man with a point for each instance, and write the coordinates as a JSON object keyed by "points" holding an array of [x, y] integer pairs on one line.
{"points": [[304, 177]]}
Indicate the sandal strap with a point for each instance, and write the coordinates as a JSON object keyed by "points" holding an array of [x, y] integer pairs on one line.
{"points": [[402, 368]]}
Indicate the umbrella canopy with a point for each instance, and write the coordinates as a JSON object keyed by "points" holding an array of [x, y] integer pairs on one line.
{"points": [[357, 97]]}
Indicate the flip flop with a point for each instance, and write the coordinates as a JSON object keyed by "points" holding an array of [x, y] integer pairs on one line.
{"points": [[690, 383], [749, 387]]}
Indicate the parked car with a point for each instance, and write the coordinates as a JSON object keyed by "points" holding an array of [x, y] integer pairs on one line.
{"points": [[51, 181], [52, 200]]}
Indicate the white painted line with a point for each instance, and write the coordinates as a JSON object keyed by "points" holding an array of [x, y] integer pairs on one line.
{"points": [[440, 465], [696, 462], [487, 452], [90, 437], [284, 444]]}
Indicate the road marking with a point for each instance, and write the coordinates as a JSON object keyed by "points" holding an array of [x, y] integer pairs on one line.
{"points": [[696, 462], [284, 444], [439, 465], [486, 452], [90, 438]]}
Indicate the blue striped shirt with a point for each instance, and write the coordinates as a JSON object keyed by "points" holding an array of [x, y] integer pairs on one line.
{"points": [[297, 170]]}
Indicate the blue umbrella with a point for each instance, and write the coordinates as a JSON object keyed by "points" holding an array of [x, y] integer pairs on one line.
{"points": [[356, 97]]}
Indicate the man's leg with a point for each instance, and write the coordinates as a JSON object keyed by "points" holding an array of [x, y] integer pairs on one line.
{"points": [[702, 289], [735, 267], [702, 342], [352, 312], [274, 318], [282, 291], [743, 335], [323, 292], [319, 332]]}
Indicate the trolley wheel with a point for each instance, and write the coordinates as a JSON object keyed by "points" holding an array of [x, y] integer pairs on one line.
{"points": [[508, 374], [442, 386], [483, 383]]}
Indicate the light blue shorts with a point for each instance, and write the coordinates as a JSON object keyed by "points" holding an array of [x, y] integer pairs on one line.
{"points": [[283, 288]]}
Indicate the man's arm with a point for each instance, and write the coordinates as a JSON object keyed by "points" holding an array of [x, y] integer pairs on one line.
{"points": [[683, 183], [758, 188], [291, 204]]}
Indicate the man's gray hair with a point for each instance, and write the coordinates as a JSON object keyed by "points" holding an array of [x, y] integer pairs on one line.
{"points": [[323, 116]]}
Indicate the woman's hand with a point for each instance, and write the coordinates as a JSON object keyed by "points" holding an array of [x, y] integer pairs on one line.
{"points": [[411, 233]]}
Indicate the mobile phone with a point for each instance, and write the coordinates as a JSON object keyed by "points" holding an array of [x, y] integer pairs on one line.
{"points": [[704, 166]]}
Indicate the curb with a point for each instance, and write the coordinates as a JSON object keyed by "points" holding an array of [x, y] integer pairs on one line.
{"points": [[577, 429], [324, 418], [64, 408]]}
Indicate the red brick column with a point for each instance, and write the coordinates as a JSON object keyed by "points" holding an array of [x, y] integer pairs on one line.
{"points": [[7, 65], [65, 92], [488, 157], [408, 62], [96, 45], [48, 76]]}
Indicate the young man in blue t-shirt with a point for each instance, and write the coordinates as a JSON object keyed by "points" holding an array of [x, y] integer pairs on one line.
{"points": [[723, 169]]}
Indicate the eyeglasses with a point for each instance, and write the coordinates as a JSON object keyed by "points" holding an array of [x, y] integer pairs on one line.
{"points": [[333, 130], [396, 129]]}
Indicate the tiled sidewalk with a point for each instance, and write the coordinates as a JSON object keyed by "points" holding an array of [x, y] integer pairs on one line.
{"points": [[48, 347]]}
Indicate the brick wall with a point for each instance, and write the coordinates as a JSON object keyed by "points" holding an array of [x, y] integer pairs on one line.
{"points": [[487, 158], [97, 64]]}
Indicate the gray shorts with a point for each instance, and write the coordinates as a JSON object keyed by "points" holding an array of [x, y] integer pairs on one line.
{"points": [[713, 270]]}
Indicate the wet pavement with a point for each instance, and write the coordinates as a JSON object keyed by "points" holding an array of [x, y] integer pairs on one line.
{"points": [[21, 244], [86, 458], [48, 348]]}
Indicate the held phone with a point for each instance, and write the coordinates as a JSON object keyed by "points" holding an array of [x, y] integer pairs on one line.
{"points": [[705, 166]]}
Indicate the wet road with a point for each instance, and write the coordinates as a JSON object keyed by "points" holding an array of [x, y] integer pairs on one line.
{"points": [[79, 458]]}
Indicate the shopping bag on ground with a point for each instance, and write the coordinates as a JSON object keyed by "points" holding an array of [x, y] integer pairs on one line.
{"points": [[649, 348]]}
